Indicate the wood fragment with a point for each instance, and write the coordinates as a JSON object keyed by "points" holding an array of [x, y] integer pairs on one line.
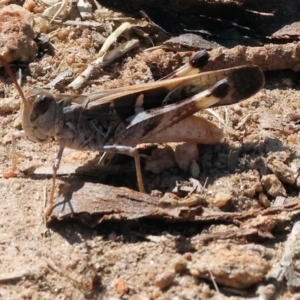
{"points": [[94, 203], [230, 234], [268, 57], [17, 275], [93, 24], [61, 77]]}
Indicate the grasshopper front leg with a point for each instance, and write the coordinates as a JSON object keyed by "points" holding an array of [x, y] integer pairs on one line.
{"points": [[11, 171], [55, 167]]}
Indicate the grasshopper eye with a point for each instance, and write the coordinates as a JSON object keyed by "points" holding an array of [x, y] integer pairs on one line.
{"points": [[41, 105]]}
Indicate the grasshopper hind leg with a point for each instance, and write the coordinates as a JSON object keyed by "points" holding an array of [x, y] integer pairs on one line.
{"points": [[130, 151]]}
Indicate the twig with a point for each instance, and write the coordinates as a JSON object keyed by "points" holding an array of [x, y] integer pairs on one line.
{"points": [[59, 78], [6, 277], [104, 57], [64, 4], [268, 57], [213, 280], [103, 61], [216, 115], [93, 24], [113, 37]]}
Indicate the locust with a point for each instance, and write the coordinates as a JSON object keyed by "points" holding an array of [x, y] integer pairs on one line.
{"points": [[117, 120]]}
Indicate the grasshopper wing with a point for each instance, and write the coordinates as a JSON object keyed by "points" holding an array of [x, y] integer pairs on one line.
{"points": [[238, 84]]}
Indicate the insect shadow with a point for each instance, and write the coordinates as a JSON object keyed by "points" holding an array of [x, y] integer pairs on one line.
{"points": [[215, 162]]}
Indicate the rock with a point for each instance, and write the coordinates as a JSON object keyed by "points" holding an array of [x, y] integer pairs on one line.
{"points": [[40, 25], [273, 186], [165, 279], [263, 200], [282, 171], [232, 265], [187, 256], [194, 169], [16, 34], [121, 286], [161, 159], [185, 154], [266, 291], [220, 199], [179, 263]]}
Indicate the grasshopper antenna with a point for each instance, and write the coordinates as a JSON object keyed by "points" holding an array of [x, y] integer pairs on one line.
{"points": [[12, 76]]}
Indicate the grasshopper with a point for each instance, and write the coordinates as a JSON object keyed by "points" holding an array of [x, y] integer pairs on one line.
{"points": [[118, 120]]}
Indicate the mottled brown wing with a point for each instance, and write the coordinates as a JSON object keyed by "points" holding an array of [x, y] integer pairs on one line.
{"points": [[238, 84]]}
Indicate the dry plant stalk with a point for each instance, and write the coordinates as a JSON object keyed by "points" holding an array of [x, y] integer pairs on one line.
{"points": [[118, 120], [106, 58]]}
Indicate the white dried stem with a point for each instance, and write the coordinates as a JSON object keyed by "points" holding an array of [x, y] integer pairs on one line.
{"points": [[103, 61], [64, 4], [216, 115], [113, 37], [93, 24]]}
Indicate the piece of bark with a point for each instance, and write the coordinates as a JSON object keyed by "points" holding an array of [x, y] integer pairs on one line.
{"points": [[94, 203], [270, 57]]}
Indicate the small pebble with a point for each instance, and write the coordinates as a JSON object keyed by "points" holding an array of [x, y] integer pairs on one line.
{"points": [[282, 171], [220, 199], [165, 279], [263, 200], [185, 153], [188, 256], [298, 182], [179, 263], [112, 236], [194, 169], [273, 186], [121, 286], [266, 291]]}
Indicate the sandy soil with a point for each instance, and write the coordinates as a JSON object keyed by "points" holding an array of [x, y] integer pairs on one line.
{"points": [[126, 259]]}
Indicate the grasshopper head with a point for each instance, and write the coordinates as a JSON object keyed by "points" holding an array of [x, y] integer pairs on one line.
{"points": [[38, 114], [38, 109]]}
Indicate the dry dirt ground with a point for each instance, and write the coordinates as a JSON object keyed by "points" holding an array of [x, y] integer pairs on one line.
{"points": [[255, 166]]}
